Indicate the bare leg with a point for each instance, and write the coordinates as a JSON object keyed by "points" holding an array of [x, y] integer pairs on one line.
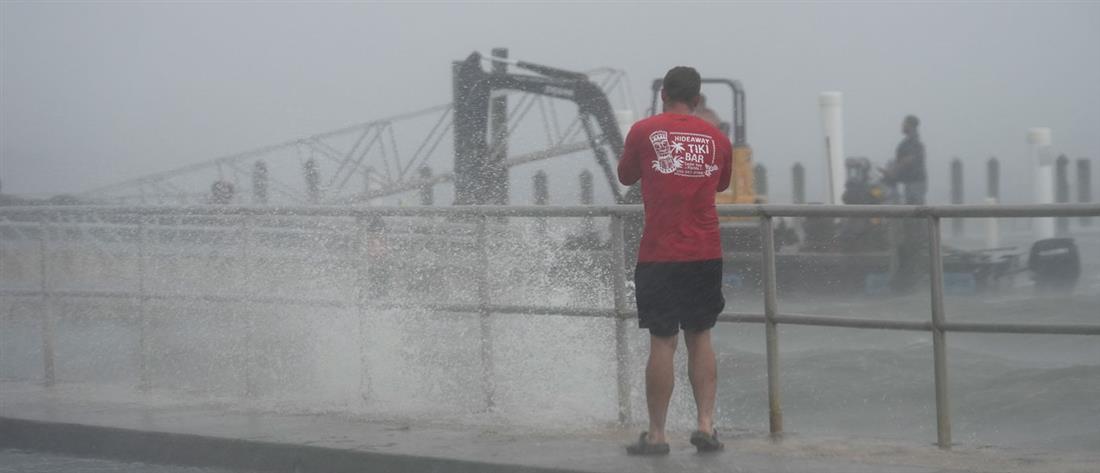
{"points": [[703, 372], [659, 380]]}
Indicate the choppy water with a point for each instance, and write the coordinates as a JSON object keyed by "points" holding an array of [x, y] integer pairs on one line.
{"points": [[559, 372]]}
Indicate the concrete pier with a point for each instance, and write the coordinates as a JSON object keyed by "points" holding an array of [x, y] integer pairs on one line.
{"points": [[62, 420]]}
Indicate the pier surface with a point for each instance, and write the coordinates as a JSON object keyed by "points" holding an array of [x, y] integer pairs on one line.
{"points": [[58, 420]]}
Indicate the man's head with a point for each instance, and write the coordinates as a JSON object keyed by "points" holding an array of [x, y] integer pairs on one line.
{"points": [[681, 85], [910, 124]]}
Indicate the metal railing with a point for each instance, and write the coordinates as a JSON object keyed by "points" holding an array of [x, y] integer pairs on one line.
{"points": [[620, 311]]}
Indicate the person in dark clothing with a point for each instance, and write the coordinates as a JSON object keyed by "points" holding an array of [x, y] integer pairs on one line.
{"points": [[908, 167]]}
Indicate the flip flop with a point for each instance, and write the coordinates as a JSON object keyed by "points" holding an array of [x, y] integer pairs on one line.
{"points": [[705, 442], [643, 447]]}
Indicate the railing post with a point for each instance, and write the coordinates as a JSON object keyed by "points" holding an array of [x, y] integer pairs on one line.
{"points": [[771, 331], [247, 272], [427, 190], [144, 381], [483, 299], [46, 312], [361, 295], [618, 281], [542, 197], [939, 342]]}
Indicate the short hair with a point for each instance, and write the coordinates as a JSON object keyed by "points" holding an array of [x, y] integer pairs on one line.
{"points": [[682, 84], [912, 121]]}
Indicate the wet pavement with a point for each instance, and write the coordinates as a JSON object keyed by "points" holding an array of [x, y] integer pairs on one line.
{"points": [[63, 420], [22, 461]]}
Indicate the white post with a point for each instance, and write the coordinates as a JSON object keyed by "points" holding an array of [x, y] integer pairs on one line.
{"points": [[1039, 139], [992, 228], [832, 119]]}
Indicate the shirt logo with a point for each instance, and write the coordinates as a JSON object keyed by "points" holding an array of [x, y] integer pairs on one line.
{"points": [[666, 163], [683, 154]]}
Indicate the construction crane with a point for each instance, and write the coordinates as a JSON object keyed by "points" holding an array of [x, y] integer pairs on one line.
{"points": [[481, 176], [391, 157]]}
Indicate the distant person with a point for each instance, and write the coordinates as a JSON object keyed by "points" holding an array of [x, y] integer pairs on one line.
{"points": [[908, 167], [682, 162]]}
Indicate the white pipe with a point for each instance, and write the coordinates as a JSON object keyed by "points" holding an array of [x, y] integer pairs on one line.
{"points": [[1043, 159], [832, 120]]}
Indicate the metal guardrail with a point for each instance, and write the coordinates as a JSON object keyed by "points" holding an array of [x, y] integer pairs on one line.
{"points": [[771, 317]]}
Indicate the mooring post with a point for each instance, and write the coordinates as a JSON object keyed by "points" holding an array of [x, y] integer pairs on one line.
{"points": [[46, 309], [993, 178], [542, 197], [760, 180], [260, 180], [427, 190], [798, 184], [367, 171], [771, 329], [939, 341], [312, 175], [622, 352]]}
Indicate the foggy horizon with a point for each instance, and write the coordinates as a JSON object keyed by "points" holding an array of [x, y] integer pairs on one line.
{"points": [[94, 94]]}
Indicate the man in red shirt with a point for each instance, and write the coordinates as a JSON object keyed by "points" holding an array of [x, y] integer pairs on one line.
{"points": [[682, 162]]}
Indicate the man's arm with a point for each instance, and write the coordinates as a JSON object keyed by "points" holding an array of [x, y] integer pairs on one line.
{"points": [[629, 170]]}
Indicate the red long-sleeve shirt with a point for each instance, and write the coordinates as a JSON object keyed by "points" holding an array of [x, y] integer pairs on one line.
{"points": [[682, 161]]}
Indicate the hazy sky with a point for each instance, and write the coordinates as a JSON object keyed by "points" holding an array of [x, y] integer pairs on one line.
{"points": [[93, 93]]}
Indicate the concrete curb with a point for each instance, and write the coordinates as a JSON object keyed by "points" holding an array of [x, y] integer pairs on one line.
{"points": [[208, 451]]}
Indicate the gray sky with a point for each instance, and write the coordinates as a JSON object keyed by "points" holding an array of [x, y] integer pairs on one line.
{"points": [[93, 93]]}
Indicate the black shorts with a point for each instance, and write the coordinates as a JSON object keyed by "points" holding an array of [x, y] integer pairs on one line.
{"points": [[677, 295]]}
